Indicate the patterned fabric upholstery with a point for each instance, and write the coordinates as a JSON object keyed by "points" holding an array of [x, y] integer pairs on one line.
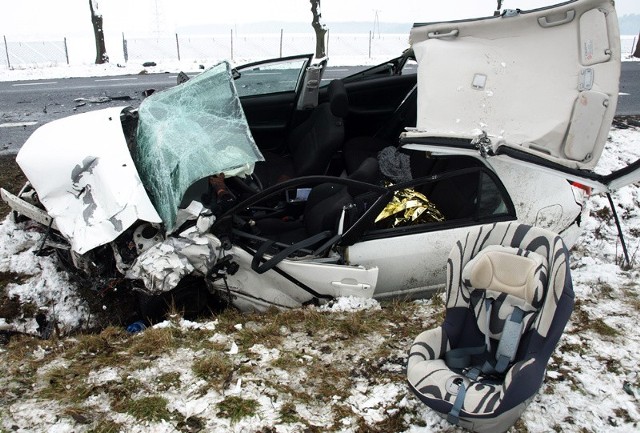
{"points": [[493, 270]]}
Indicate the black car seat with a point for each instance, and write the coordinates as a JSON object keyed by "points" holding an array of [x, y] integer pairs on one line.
{"points": [[322, 211], [509, 297], [312, 144], [357, 149]]}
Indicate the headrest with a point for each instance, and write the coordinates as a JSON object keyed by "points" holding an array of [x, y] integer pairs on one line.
{"points": [[367, 171], [338, 99], [506, 270]]}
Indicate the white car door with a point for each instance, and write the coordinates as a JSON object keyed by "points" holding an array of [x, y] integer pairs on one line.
{"points": [[411, 250]]}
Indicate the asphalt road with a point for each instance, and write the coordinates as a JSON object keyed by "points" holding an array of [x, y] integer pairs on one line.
{"points": [[629, 100], [25, 105]]}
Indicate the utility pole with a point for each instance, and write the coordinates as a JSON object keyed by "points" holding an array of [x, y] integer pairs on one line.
{"points": [[376, 23]]}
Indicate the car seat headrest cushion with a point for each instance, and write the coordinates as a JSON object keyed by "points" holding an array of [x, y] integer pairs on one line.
{"points": [[338, 99], [505, 270]]}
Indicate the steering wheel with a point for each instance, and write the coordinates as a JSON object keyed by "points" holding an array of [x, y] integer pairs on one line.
{"points": [[250, 184]]}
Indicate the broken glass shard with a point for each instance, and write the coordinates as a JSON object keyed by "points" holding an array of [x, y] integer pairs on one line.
{"points": [[191, 131]]}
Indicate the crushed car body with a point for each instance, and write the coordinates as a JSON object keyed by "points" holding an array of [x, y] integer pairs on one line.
{"points": [[509, 128], [85, 177]]}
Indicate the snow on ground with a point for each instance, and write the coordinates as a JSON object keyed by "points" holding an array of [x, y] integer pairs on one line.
{"points": [[32, 71], [318, 371]]}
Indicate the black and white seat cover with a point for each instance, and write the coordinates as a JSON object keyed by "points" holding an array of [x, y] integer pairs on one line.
{"points": [[509, 297]]}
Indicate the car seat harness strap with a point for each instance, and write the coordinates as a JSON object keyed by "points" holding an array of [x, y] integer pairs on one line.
{"points": [[460, 358], [509, 340], [454, 415]]}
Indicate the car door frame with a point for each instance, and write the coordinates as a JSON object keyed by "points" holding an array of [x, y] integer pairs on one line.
{"points": [[270, 115]]}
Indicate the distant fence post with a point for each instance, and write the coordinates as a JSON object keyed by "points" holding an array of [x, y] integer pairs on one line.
{"points": [[6, 50], [231, 44], [178, 46], [66, 50], [125, 49], [281, 33], [369, 43]]}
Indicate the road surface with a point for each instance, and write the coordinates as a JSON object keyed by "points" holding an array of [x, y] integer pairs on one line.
{"points": [[25, 105]]}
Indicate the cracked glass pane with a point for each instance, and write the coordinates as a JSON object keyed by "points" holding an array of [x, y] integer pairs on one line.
{"points": [[189, 132]]}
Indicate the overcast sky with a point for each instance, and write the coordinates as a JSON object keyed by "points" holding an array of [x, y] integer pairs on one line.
{"points": [[57, 18]]}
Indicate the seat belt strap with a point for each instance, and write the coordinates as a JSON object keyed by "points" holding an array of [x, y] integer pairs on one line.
{"points": [[454, 415], [461, 357], [488, 303], [509, 340]]}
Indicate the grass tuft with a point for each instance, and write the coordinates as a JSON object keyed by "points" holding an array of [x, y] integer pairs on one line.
{"points": [[236, 408], [288, 413], [152, 408], [154, 341], [216, 369], [106, 426]]}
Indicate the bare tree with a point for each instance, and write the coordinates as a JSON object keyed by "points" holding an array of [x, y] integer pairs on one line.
{"points": [[319, 28], [96, 20]]}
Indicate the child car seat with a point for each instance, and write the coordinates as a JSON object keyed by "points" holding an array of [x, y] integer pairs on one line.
{"points": [[509, 297]]}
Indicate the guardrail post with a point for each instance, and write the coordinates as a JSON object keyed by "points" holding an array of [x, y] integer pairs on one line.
{"points": [[281, 32], [66, 50], [6, 50], [178, 46]]}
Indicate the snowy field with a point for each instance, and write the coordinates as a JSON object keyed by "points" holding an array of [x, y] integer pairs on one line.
{"points": [[337, 369], [344, 50]]}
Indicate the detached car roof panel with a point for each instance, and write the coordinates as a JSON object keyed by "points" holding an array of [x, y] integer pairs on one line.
{"points": [[545, 81]]}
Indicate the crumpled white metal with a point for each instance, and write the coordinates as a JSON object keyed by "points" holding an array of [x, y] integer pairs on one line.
{"points": [[85, 177]]}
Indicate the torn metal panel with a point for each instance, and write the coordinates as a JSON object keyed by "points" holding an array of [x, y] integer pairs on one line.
{"points": [[189, 132], [544, 82], [162, 266], [83, 173]]}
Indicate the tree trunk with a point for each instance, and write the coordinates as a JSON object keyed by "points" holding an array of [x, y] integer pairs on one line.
{"points": [[319, 28], [96, 20]]}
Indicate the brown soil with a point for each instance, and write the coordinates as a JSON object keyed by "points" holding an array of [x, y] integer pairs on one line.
{"points": [[11, 179]]}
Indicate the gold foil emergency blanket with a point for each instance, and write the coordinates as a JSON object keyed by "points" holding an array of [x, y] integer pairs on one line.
{"points": [[408, 207]]}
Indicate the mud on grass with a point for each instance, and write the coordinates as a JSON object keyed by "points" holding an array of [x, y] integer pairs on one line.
{"points": [[11, 307], [11, 179]]}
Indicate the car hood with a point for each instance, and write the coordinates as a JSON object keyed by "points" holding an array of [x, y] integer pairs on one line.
{"points": [[543, 81], [82, 170], [95, 187]]}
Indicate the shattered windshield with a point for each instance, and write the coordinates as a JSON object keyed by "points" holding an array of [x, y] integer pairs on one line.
{"points": [[189, 132]]}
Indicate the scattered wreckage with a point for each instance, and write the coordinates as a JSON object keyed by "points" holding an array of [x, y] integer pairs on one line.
{"points": [[272, 190]]}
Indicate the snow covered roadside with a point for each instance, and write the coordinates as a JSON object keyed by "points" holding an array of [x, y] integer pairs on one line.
{"points": [[115, 68], [331, 369]]}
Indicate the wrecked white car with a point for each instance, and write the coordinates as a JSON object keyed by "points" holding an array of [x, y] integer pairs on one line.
{"points": [[273, 199]]}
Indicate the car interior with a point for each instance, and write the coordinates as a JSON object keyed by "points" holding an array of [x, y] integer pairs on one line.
{"points": [[322, 183]]}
